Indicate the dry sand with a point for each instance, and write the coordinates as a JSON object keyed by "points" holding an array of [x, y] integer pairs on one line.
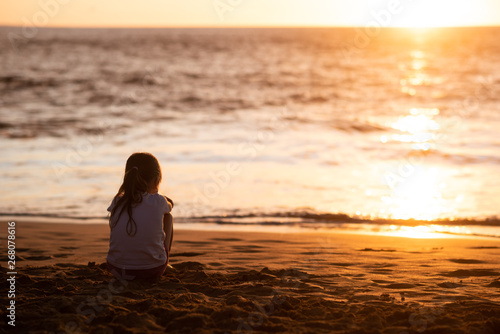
{"points": [[248, 282]]}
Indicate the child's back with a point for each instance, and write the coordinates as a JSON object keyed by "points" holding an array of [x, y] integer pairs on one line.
{"points": [[145, 249], [140, 222]]}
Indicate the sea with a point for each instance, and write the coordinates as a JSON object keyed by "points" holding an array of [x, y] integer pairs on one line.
{"points": [[393, 130]]}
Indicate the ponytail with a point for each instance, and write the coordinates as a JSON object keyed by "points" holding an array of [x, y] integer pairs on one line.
{"points": [[141, 169]]}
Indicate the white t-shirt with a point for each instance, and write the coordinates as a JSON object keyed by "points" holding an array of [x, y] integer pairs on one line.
{"points": [[145, 249]]}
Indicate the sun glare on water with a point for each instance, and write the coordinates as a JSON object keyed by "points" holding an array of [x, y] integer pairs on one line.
{"points": [[418, 128], [415, 189], [425, 231], [424, 14], [417, 196]]}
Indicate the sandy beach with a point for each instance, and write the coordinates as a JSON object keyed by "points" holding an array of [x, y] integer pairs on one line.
{"points": [[254, 282]]}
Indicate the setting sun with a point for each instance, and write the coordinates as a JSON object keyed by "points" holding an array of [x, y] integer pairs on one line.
{"points": [[443, 13]]}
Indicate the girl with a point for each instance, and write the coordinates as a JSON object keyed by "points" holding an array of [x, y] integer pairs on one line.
{"points": [[140, 222]]}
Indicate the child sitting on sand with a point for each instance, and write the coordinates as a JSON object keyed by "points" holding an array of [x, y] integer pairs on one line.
{"points": [[140, 222]]}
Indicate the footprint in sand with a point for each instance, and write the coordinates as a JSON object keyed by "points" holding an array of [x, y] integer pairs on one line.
{"points": [[36, 251], [449, 285], [274, 241], [189, 266], [400, 286], [59, 234], [484, 247], [376, 250], [62, 255], [342, 264], [34, 255], [38, 258], [188, 254], [67, 265], [226, 239], [199, 243], [463, 273], [216, 264], [379, 265], [381, 281], [466, 261], [381, 271], [248, 249], [494, 284]]}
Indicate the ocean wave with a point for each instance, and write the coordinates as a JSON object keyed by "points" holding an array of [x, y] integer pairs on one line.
{"points": [[466, 158], [335, 218], [293, 218], [18, 82]]}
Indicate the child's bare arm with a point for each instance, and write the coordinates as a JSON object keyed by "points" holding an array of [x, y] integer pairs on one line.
{"points": [[170, 201], [168, 228]]}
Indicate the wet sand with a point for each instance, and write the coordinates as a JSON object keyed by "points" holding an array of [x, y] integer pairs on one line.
{"points": [[251, 282]]}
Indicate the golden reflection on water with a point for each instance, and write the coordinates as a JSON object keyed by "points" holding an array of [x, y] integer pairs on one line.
{"points": [[432, 231], [417, 128], [417, 197], [418, 64], [415, 73], [417, 122]]}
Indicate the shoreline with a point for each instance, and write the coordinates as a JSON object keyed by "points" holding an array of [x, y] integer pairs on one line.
{"points": [[430, 230]]}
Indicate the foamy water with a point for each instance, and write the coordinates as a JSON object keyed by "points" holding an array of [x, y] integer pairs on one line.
{"points": [[255, 121]]}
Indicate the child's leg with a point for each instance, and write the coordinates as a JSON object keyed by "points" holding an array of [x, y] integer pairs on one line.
{"points": [[168, 228]]}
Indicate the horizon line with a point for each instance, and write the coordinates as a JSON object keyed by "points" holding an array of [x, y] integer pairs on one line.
{"points": [[240, 26]]}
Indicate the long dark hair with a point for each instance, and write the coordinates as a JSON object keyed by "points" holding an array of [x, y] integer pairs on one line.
{"points": [[142, 171]]}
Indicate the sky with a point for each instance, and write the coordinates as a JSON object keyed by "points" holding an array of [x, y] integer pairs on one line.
{"points": [[244, 13]]}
